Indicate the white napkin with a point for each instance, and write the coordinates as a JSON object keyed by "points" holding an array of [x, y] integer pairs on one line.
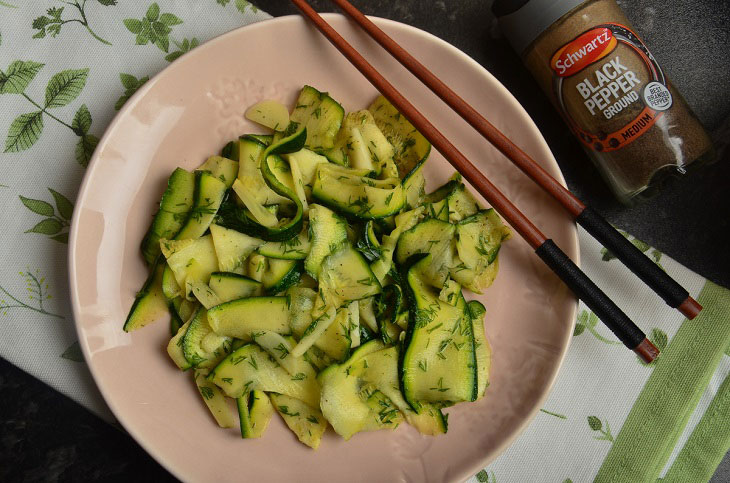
{"points": [[54, 49]]}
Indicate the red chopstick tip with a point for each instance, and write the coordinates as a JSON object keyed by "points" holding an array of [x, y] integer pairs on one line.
{"points": [[690, 308], [646, 351]]}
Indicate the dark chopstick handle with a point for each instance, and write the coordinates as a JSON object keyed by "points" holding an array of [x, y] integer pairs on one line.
{"points": [[599, 303], [665, 286], [609, 313], [668, 289]]}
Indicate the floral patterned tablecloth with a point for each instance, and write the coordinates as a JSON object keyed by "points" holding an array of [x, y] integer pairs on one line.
{"points": [[66, 67]]}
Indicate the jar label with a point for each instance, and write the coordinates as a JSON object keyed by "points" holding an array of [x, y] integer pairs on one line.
{"points": [[586, 49], [606, 76]]}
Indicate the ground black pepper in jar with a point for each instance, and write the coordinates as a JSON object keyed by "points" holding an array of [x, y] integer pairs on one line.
{"points": [[609, 88]]}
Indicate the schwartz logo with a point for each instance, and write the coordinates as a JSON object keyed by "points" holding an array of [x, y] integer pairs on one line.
{"points": [[583, 51]]}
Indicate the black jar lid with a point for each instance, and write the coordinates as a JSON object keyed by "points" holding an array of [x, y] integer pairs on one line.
{"points": [[522, 21]]}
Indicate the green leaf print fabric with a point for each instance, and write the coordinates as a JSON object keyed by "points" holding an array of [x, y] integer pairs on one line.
{"points": [[67, 67], [610, 417]]}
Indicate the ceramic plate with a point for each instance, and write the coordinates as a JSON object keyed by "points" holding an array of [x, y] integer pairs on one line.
{"points": [[188, 112]]}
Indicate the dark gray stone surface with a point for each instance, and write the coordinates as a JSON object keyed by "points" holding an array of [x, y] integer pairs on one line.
{"points": [[46, 437], [690, 219]]}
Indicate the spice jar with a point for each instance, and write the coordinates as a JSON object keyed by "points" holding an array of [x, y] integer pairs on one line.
{"points": [[609, 88]]}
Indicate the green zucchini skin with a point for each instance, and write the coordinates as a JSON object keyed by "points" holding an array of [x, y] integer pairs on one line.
{"points": [[209, 194], [328, 231], [282, 274], [411, 148], [231, 216], [482, 348], [193, 341], [150, 303], [382, 369], [265, 139], [183, 308], [336, 338], [225, 169], [232, 248], [296, 248], [289, 144], [366, 335], [443, 191], [254, 412], [321, 115], [232, 286], [485, 231], [462, 203], [357, 196], [438, 210], [244, 317], [348, 389], [346, 276], [371, 241], [250, 149], [251, 368], [230, 150], [340, 401], [448, 375], [480, 237], [191, 261], [175, 350], [388, 306], [170, 287], [389, 321], [432, 236], [175, 321], [176, 203]]}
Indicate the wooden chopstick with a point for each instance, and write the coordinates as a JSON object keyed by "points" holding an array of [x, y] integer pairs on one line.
{"points": [[631, 336], [648, 271]]}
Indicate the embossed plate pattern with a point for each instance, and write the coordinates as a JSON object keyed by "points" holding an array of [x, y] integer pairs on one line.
{"points": [[187, 113]]}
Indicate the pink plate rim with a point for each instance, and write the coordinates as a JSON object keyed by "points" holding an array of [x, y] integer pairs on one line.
{"points": [[157, 452]]}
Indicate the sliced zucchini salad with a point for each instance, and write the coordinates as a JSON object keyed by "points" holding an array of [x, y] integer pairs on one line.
{"points": [[308, 272]]}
